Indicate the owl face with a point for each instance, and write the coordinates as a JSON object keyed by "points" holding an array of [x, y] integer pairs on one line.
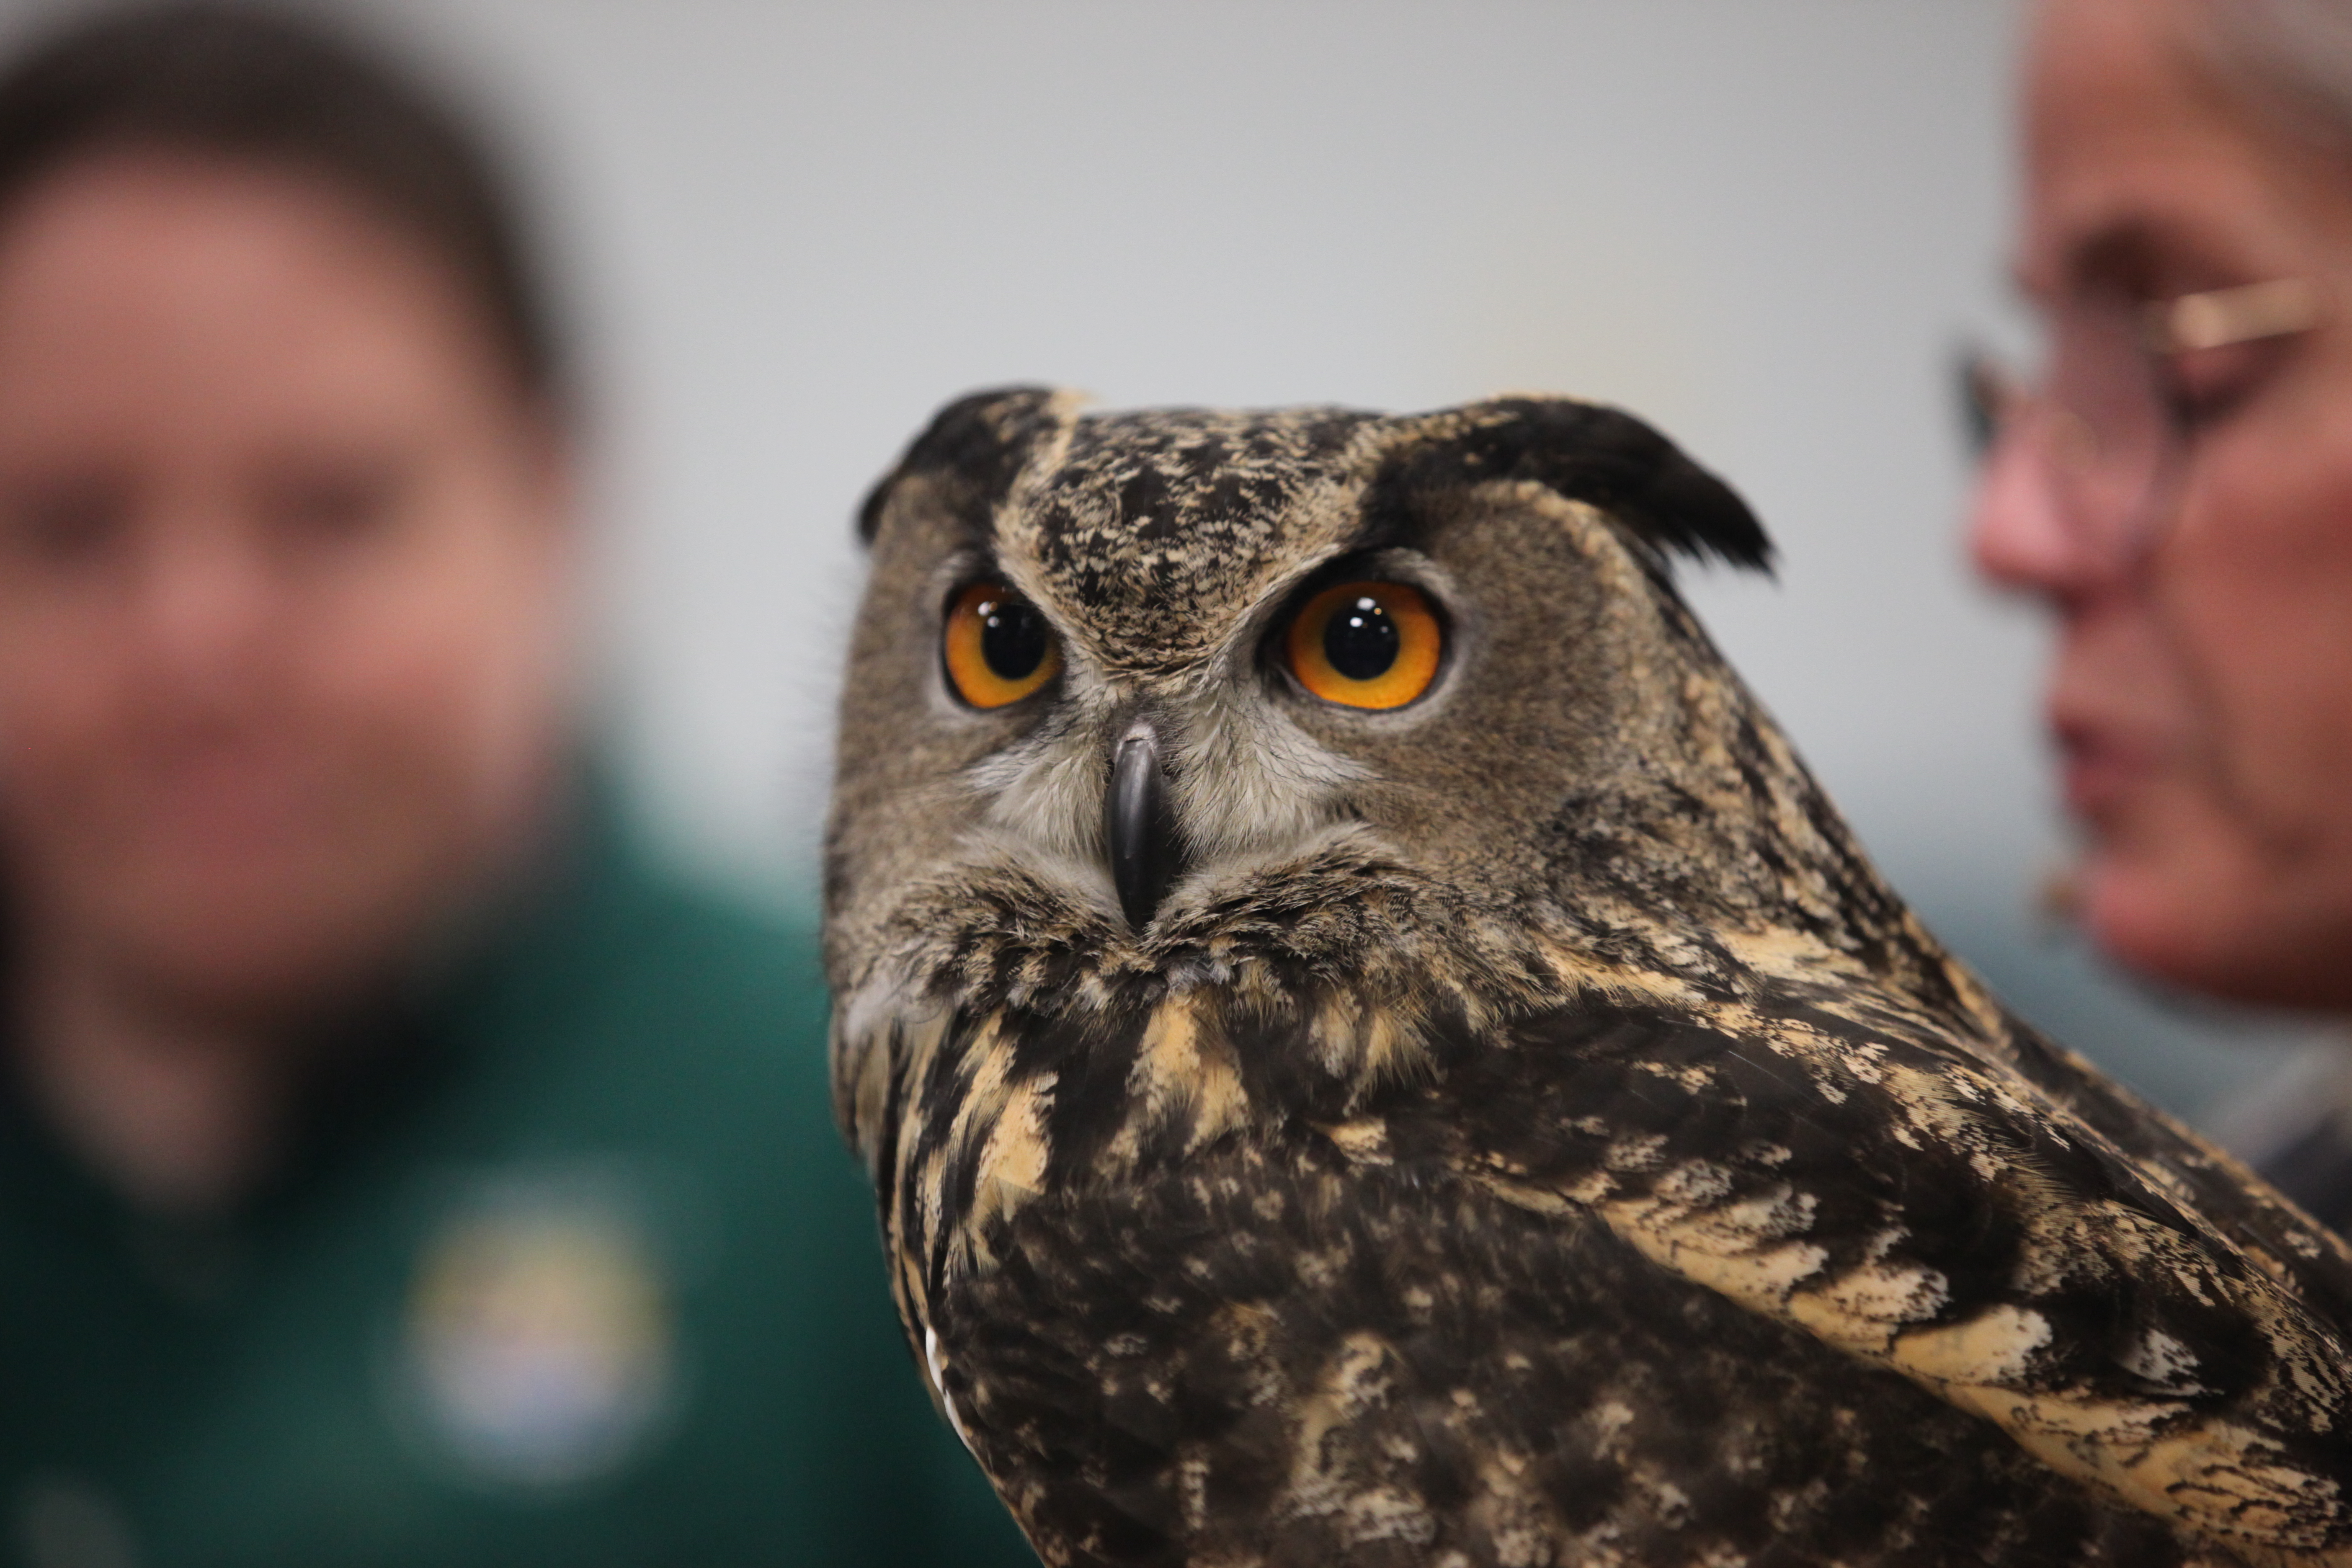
{"points": [[1131, 672]]}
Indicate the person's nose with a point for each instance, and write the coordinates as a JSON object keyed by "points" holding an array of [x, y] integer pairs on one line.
{"points": [[2017, 534], [205, 605]]}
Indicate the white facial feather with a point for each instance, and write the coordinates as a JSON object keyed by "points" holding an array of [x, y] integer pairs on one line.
{"points": [[1248, 785]]}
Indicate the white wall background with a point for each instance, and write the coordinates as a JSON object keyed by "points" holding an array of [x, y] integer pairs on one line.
{"points": [[795, 228]]}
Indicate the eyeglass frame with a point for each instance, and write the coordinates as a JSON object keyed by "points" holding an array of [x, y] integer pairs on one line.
{"points": [[1997, 403]]}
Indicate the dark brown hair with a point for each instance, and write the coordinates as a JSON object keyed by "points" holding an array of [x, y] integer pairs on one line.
{"points": [[249, 81]]}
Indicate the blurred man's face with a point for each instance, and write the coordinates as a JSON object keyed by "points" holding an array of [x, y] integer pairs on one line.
{"points": [[2202, 693], [282, 582]]}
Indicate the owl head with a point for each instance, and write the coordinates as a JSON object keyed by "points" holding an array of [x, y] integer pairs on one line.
{"points": [[1135, 696]]}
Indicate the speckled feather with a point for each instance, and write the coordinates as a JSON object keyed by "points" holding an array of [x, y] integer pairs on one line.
{"points": [[1529, 1132]]}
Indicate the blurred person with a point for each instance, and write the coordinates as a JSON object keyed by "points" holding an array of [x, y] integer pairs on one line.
{"points": [[2178, 491], [395, 1167]]}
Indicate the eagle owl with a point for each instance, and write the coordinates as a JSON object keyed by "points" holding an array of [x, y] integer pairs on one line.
{"points": [[1371, 1049]]}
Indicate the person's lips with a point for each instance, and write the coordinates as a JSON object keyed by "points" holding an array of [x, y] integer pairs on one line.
{"points": [[226, 802], [2101, 766]]}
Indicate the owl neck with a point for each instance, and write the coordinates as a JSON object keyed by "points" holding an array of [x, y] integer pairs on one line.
{"points": [[1714, 872]]}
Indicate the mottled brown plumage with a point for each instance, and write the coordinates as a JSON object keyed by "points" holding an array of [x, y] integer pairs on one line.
{"points": [[1522, 1129]]}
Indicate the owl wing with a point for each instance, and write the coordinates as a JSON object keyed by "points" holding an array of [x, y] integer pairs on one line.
{"points": [[1937, 1212], [2309, 1258]]}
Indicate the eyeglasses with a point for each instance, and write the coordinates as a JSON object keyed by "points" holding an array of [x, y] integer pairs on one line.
{"points": [[2108, 431]]}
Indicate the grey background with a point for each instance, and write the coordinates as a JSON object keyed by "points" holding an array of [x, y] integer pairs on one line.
{"points": [[792, 230]]}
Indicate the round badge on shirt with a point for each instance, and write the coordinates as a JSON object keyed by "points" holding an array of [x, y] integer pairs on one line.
{"points": [[539, 1343]]}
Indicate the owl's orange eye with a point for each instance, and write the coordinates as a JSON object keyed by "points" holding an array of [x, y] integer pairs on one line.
{"points": [[1366, 644], [998, 648]]}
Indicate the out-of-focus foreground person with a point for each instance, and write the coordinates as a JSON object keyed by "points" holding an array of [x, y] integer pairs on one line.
{"points": [[2178, 490], [393, 1167]]}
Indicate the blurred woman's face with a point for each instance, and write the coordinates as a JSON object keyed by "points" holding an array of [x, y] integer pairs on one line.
{"points": [[2202, 692], [283, 580]]}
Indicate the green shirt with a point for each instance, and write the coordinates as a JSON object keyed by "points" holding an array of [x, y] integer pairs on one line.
{"points": [[573, 1269]]}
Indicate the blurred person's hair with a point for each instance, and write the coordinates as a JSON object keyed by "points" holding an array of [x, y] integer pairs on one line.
{"points": [[2288, 60], [254, 83]]}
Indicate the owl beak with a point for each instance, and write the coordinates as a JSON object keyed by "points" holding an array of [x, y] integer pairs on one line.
{"points": [[1139, 826]]}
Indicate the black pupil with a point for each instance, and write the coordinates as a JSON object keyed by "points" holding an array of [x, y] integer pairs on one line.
{"points": [[1012, 638], [1361, 640]]}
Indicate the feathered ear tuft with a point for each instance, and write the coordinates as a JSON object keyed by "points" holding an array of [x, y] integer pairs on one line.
{"points": [[979, 442], [1591, 453]]}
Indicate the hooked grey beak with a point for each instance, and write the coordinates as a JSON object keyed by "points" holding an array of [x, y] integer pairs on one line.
{"points": [[1139, 826]]}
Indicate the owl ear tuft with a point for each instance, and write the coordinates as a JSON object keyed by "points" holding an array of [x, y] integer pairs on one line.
{"points": [[979, 443], [1604, 455]]}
